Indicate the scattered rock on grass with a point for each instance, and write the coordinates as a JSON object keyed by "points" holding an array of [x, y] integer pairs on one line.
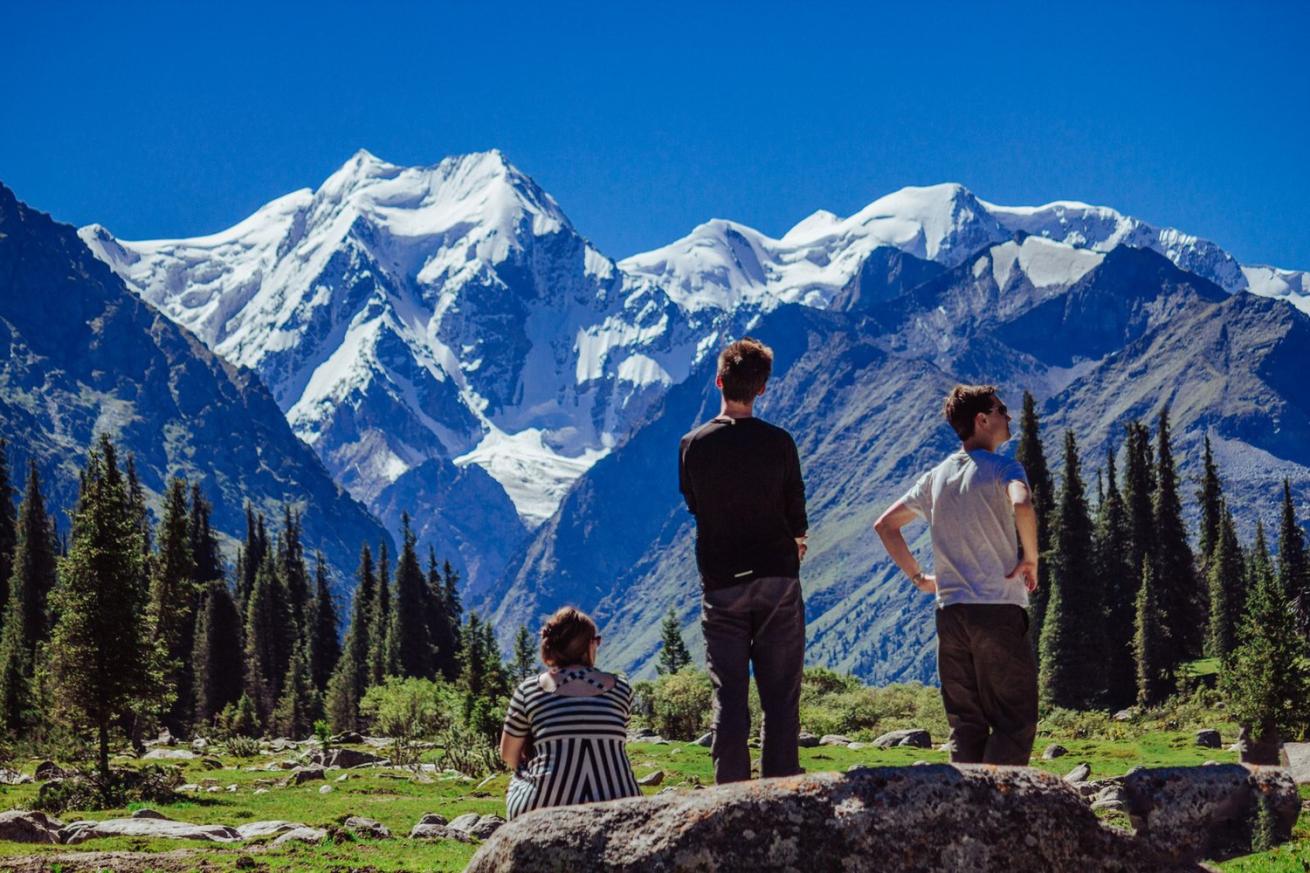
{"points": [[149, 813], [1208, 739], [434, 831], [834, 740], [1298, 762], [163, 754], [81, 831], [915, 737], [366, 827], [302, 835], [270, 828], [325, 789], [433, 818], [21, 826], [486, 826], [651, 779], [13, 777], [1053, 751], [304, 774], [48, 770], [464, 822], [806, 740], [1079, 773]]}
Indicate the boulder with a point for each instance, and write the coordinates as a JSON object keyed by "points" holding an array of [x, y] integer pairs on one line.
{"points": [[200, 745], [13, 777], [211, 763], [1079, 773], [651, 779], [432, 818], [806, 740], [707, 740], [1190, 813], [150, 813], [1298, 762], [325, 789], [302, 835], [366, 827], [1208, 739], [81, 831], [271, 828], [434, 831], [1124, 714], [301, 775], [1053, 751], [465, 822], [47, 770], [916, 737], [21, 826], [486, 826], [929, 819], [834, 740], [348, 737], [160, 753], [346, 758]]}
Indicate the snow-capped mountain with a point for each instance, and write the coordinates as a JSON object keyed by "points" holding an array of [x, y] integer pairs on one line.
{"points": [[443, 335]]}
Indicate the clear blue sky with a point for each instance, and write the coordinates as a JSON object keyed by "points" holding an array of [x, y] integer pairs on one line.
{"points": [[645, 119]]}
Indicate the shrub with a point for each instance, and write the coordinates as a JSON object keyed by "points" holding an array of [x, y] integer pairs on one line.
{"points": [[680, 704], [407, 710], [242, 747], [150, 784], [468, 751]]}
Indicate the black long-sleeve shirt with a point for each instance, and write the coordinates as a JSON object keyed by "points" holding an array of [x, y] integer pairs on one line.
{"points": [[741, 478]]}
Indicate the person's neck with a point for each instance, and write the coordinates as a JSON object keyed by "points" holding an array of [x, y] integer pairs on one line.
{"points": [[734, 409], [975, 444]]}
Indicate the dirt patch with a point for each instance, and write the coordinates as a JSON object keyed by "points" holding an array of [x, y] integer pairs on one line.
{"points": [[176, 861]]}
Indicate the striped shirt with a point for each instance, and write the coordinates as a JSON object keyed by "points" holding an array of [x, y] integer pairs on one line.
{"points": [[577, 747]]}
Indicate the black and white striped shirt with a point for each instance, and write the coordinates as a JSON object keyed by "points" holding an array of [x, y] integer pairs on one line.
{"points": [[577, 747]]}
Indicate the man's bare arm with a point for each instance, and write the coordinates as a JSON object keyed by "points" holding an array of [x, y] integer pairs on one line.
{"points": [[888, 527], [1025, 519]]}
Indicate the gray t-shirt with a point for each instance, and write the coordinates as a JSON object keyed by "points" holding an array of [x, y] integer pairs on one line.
{"points": [[966, 503]]}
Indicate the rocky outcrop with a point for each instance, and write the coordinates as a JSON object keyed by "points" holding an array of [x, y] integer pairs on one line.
{"points": [[914, 737], [1189, 813], [927, 818], [81, 831]]}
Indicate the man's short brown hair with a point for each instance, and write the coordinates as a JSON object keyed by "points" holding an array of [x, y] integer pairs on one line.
{"points": [[963, 404], [744, 367]]}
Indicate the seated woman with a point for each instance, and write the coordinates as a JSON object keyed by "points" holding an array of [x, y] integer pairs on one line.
{"points": [[565, 731]]}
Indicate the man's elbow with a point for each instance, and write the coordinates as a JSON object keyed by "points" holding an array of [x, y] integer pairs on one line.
{"points": [[884, 526]]}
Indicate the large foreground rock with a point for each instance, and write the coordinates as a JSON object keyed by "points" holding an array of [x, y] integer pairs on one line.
{"points": [[928, 819], [1189, 813], [81, 831]]}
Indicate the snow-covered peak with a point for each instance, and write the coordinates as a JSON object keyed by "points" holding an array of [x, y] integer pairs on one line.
{"points": [[814, 225], [944, 223], [1290, 285]]}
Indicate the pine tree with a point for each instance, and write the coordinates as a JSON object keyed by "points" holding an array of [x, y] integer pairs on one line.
{"points": [[8, 528], [1209, 497], [409, 649], [103, 662], [205, 554], [31, 581], [380, 621], [1032, 456], [172, 605], [482, 673], [1120, 585], [447, 620], [1138, 488], [350, 677], [1267, 679], [1072, 660], [1293, 562], [1155, 679], [252, 555], [265, 635], [324, 647], [673, 655], [525, 655], [1182, 599], [216, 657], [300, 704], [140, 513], [294, 573], [1225, 577]]}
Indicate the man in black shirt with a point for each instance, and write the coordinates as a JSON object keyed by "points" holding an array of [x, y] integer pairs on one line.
{"points": [[741, 478]]}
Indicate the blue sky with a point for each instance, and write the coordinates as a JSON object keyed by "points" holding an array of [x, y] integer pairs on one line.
{"points": [[645, 119]]}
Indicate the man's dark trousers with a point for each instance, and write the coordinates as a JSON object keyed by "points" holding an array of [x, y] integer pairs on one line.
{"points": [[989, 682], [760, 623]]}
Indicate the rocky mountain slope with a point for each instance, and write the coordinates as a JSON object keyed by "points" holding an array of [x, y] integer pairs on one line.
{"points": [[80, 355]]}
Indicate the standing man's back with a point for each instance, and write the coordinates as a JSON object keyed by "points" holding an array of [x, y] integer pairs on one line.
{"points": [[973, 502], [741, 478]]}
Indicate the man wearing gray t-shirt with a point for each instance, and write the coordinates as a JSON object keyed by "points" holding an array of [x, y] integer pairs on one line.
{"points": [[973, 502]]}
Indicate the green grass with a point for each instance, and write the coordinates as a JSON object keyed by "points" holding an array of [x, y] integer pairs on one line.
{"points": [[399, 803]]}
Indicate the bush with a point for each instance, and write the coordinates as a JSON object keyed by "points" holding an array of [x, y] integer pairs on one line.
{"points": [[150, 784], [836, 704], [242, 747], [468, 751], [408, 710], [679, 703]]}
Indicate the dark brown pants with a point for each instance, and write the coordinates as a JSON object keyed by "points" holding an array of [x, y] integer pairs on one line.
{"points": [[760, 623], [989, 682]]}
